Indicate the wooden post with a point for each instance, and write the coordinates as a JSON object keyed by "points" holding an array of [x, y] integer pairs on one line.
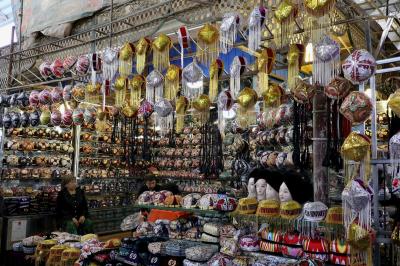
{"points": [[320, 173]]}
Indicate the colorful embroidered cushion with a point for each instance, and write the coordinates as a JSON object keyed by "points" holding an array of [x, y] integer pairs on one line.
{"points": [[316, 249], [340, 252], [292, 245], [272, 241], [227, 230]]}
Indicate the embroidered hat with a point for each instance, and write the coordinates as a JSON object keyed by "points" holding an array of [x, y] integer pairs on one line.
{"points": [[334, 215], [229, 246], [220, 260], [191, 200], [290, 210], [315, 211], [268, 208], [249, 243], [226, 204], [247, 206]]}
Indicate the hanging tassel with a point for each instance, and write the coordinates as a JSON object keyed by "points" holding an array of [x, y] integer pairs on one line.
{"points": [[265, 63], [216, 70], [161, 46], [228, 31], [202, 105], [184, 41], [142, 48], [172, 78], [256, 23], [125, 59], [120, 86], [295, 59], [136, 85], [192, 80], [237, 68], [285, 16], [326, 65], [208, 43], [154, 87], [182, 104], [110, 67]]}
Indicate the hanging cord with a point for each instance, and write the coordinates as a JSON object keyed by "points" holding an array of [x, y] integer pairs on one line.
{"points": [[327, 160]]}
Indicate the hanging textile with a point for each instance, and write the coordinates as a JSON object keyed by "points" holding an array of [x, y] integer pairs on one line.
{"points": [[154, 86], [229, 28], [181, 107], [246, 99], [216, 70], [192, 80], [202, 107], [164, 119], [184, 41], [295, 59], [172, 79], [120, 86], [265, 63], [161, 46], [137, 85], [208, 44], [256, 23], [110, 67], [237, 68], [143, 47], [125, 59], [326, 65], [318, 19], [285, 16]]}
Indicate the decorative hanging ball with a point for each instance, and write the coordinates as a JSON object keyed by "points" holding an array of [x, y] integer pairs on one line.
{"points": [[359, 66], [23, 99], [338, 88], [82, 65], [303, 91], [66, 117], [318, 7], [93, 88], [69, 62], [45, 117], [247, 98], [78, 92], [327, 49], [126, 52], [202, 103], [89, 115], [356, 107], [45, 69], [163, 108], [55, 118], [120, 83], [128, 110], [34, 118], [67, 93], [24, 119], [146, 109], [77, 117], [273, 95], [284, 10], [355, 147], [56, 94], [45, 97], [57, 68], [15, 120], [394, 102]]}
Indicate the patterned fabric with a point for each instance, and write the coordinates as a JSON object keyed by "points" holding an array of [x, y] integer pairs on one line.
{"points": [[219, 260], [271, 241], [340, 253], [211, 229], [201, 253], [292, 245], [356, 107], [226, 204], [359, 66], [316, 249], [247, 206], [249, 243], [229, 247]]}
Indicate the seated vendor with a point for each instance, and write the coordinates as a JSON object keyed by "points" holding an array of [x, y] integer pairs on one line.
{"points": [[72, 209]]}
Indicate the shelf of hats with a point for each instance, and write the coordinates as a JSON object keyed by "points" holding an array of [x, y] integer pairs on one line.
{"points": [[214, 113]]}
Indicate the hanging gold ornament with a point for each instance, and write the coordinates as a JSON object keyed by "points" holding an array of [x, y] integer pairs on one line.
{"points": [[216, 70], [208, 44], [142, 49], [202, 105], [394, 102], [265, 63], [318, 19], [273, 95], [319, 8], [285, 16], [120, 86], [125, 59], [92, 94], [128, 110], [172, 78], [295, 59], [247, 99], [181, 106], [161, 46], [136, 85]]}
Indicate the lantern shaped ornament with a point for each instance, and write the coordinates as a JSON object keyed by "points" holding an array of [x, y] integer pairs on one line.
{"points": [[394, 102], [285, 16], [146, 109], [181, 106], [192, 80], [69, 62], [338, 88], [34, 98], [256, 23], [110, 68], [184, 41], [295, 58], [237, 68], [303, 92], [45, 117], [77, 117], [66, 118], [247, 99], [136, 85], [172, 79], [208, 42], [120, 86], [143, 47], [273, 96], [82, 65], [56, 94], [89, 115], [356, 107], [45, 97], [128, 110], [326, 65], [164, 119], [356, 147], [359, 66], [126, 54], [78, 92], [202, 106], [161, 46], [229, 28], [265, 63], [154, 86], [55, 118], [320, 7]]}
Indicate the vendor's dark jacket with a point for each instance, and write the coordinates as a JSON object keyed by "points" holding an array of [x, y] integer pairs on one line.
{"points": [[71, 206]]}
